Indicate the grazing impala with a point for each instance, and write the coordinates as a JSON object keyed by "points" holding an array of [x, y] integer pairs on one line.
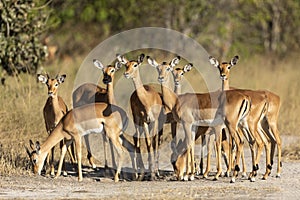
{"points": [[91, 93], [54, 109], [102, 118], [263, 115], [146, 106]]}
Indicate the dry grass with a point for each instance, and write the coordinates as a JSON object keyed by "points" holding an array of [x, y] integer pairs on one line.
{"points": [[22, 101]]}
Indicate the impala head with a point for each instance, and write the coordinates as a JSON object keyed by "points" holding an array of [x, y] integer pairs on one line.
{"points": [[178, 73], [224, 67], [108, 71], [52, 84], [164, 68], [35, 157], [131, 66]]}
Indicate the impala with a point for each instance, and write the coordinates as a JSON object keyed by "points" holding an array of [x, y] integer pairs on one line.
{"points": [[146, 106], [54, 109], [91, 93], [102, 118], [264, 115]]}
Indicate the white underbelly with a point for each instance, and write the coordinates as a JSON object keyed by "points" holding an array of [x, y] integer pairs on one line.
{"points": [[89, 126]]}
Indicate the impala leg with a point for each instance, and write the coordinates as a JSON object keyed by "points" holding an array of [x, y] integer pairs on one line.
{"points": [[156, 135], [239, 144], [150, 150], [120, 151], [230, 156], [244, 174], [52, 173], [173, 132], [267, 145], [225, 150], [208, 146], [89, 154], [71, 152], [252, 174], [218, 139], [275, 131], [138, 156], [61, 160], [77, 140], [188, 141], [62, 143], [252, 126], [203, 142]]}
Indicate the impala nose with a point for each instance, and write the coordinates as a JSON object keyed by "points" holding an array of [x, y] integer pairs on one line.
{"points": [[126, 74], [223, 77], [50, 94], [107, 79], [161, 79]]}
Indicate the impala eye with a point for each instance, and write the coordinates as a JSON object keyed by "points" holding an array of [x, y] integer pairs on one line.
{"points": [[135, 65]]}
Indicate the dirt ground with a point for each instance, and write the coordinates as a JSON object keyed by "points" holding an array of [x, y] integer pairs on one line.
{"points": [[96, 186]]}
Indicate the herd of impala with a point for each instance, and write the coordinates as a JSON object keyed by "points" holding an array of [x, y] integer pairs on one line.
{"points": [[231, 115]]}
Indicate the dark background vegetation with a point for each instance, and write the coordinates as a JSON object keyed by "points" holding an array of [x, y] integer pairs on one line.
{"points": [[72, 27]]}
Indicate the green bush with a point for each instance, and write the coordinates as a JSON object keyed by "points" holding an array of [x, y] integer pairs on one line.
{"points": [[22, 22]]}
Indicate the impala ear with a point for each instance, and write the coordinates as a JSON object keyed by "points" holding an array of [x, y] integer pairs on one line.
{"points": [[152, 62], [121, 59], [37, 147], [60, 79], [98, 64], [118, 65], [42, 78], [234, 60], [213, 61], [175, 61], [188, 67], [141, 58], [31, 145], [27, 151]]}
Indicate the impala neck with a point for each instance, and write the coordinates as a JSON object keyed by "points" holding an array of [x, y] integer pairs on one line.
{"points": [[55, 104], [139, 87], [177, 89], [110, 93], [225, 84], [169, 96], [55, 137]]}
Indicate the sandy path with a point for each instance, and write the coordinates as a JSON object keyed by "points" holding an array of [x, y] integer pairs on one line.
{"points": [[94, 186]]}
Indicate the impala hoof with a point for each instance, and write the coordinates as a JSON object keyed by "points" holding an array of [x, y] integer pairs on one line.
{"points": [[278, 176], [232, 180], [65, 174], [186, 178], [252, 179], [192, 177]]}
